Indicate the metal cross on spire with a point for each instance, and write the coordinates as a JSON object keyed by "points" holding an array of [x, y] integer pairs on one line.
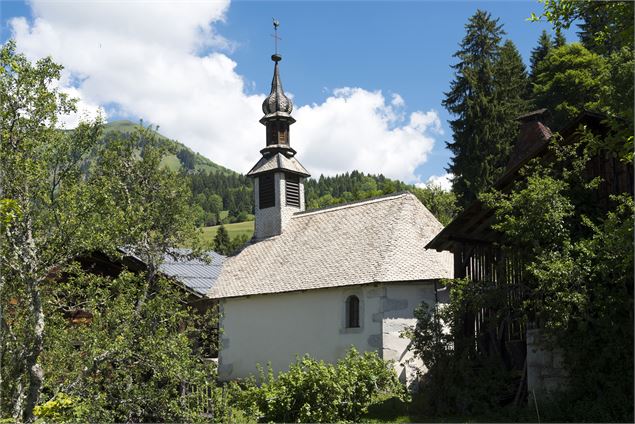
{"points": [[276, 24]]}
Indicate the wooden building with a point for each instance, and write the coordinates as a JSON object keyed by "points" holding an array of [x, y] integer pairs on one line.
{"points": [[474, 243]]}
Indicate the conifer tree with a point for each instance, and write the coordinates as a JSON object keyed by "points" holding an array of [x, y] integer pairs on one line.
{"points": [[511, 100], [222, 244], [559, 39], [539, 53], [478, 148]]}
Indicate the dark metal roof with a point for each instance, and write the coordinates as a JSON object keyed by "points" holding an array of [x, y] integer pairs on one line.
{"points": [[198, 276], [195, 274]]}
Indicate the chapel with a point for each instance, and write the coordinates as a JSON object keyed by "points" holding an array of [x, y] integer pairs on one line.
{"points": [[320, 281]]}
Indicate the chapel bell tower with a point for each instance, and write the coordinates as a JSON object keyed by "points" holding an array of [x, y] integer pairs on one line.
{"points": [[278, 176]]}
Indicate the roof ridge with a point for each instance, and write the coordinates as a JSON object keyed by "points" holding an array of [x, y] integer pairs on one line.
{"points": [[352, 204]]}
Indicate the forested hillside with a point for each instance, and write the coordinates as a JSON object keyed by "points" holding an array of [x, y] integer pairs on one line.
{"points": [[177, 157], [222, 196]]}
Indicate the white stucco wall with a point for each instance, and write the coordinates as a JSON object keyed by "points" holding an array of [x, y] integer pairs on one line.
{"points": [[276, 328]]}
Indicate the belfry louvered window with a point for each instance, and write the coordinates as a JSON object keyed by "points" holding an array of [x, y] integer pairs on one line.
{"points": [[266, 191], [293, 190]]}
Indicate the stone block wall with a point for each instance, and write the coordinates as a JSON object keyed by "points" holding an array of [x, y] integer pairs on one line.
{"points": [[545, 367]]}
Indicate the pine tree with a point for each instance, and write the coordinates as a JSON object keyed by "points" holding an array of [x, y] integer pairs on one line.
{"points": [[511, 95], [471, 100], [559, 39], [539, 53], [222, 244]]}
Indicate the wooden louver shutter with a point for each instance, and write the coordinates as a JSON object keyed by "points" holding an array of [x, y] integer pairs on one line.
{"points": [[293, 190], [266, 191]]}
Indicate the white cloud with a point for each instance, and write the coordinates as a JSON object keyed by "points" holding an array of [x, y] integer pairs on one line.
{"points": [[144, 59], [442, 181], [359, 129], [86, 111], [397, 100]]}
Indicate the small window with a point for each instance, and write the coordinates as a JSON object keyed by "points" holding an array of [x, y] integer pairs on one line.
{"points": [[266, 191], [293, 190], [352, 312]]}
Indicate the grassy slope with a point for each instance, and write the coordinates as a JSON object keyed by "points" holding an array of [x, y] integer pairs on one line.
{"points": [[234, 230], [170, 160]]}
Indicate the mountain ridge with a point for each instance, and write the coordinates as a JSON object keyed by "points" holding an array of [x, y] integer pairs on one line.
{"points": [[179, 155]]}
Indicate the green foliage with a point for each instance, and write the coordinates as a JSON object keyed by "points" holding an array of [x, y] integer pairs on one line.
{"points": [[61, 409], [458, 380], [327, 191], [486, 95], [187, 158], [49, 214], [606, 30], [218, 191], [119, 363], [314, 391], [222, 243], [441, 203], [87, 347], [579, 269], [538, 53], [511, 93], [559, 39], [569, 80], [240, 229], [606, 27], [577, 276], [173, 149]]}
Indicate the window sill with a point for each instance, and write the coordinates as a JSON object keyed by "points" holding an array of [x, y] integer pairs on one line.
{"points": [[351, 330]]}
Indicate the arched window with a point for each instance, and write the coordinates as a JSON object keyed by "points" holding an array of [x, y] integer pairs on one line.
{"points": [[352, 312]]}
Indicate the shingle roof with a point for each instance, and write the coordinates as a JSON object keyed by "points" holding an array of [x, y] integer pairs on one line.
{"points": [[194, 274], [377, 240], [277, 162]]}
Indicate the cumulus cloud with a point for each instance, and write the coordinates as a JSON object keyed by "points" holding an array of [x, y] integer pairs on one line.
{"points": [[359, 129], [442, 181], [164, 62], [86, 111]]}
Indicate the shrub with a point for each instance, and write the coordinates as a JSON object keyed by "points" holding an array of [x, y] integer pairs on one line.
{"points": [[315, 391]]}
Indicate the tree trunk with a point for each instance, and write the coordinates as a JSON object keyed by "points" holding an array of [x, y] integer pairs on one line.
{"points": [[36, 373]]}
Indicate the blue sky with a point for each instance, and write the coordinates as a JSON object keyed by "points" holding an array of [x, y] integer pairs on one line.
{"points": [[370, 76]]}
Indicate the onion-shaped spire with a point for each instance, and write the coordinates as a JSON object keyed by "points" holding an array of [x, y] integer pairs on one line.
{"points": [[277, 101]]}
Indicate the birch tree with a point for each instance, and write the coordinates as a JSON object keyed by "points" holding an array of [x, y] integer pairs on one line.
{"points": [[46, 216]]}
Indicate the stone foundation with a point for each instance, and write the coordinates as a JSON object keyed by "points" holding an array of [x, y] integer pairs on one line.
{"points": [[545, 367]]}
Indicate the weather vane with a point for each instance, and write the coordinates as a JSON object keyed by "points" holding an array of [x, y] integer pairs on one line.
{"points": [[276, 24]]}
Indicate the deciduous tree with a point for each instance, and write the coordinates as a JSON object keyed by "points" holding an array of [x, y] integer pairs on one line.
{"points": [[53, 214], [569, 80]]}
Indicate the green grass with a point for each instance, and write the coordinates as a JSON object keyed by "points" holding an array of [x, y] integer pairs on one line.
{"points": [[234, 230], [171, 162]]}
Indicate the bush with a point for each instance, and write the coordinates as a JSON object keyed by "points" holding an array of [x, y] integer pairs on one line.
{"points": [[314, 391], [458, 380]]}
